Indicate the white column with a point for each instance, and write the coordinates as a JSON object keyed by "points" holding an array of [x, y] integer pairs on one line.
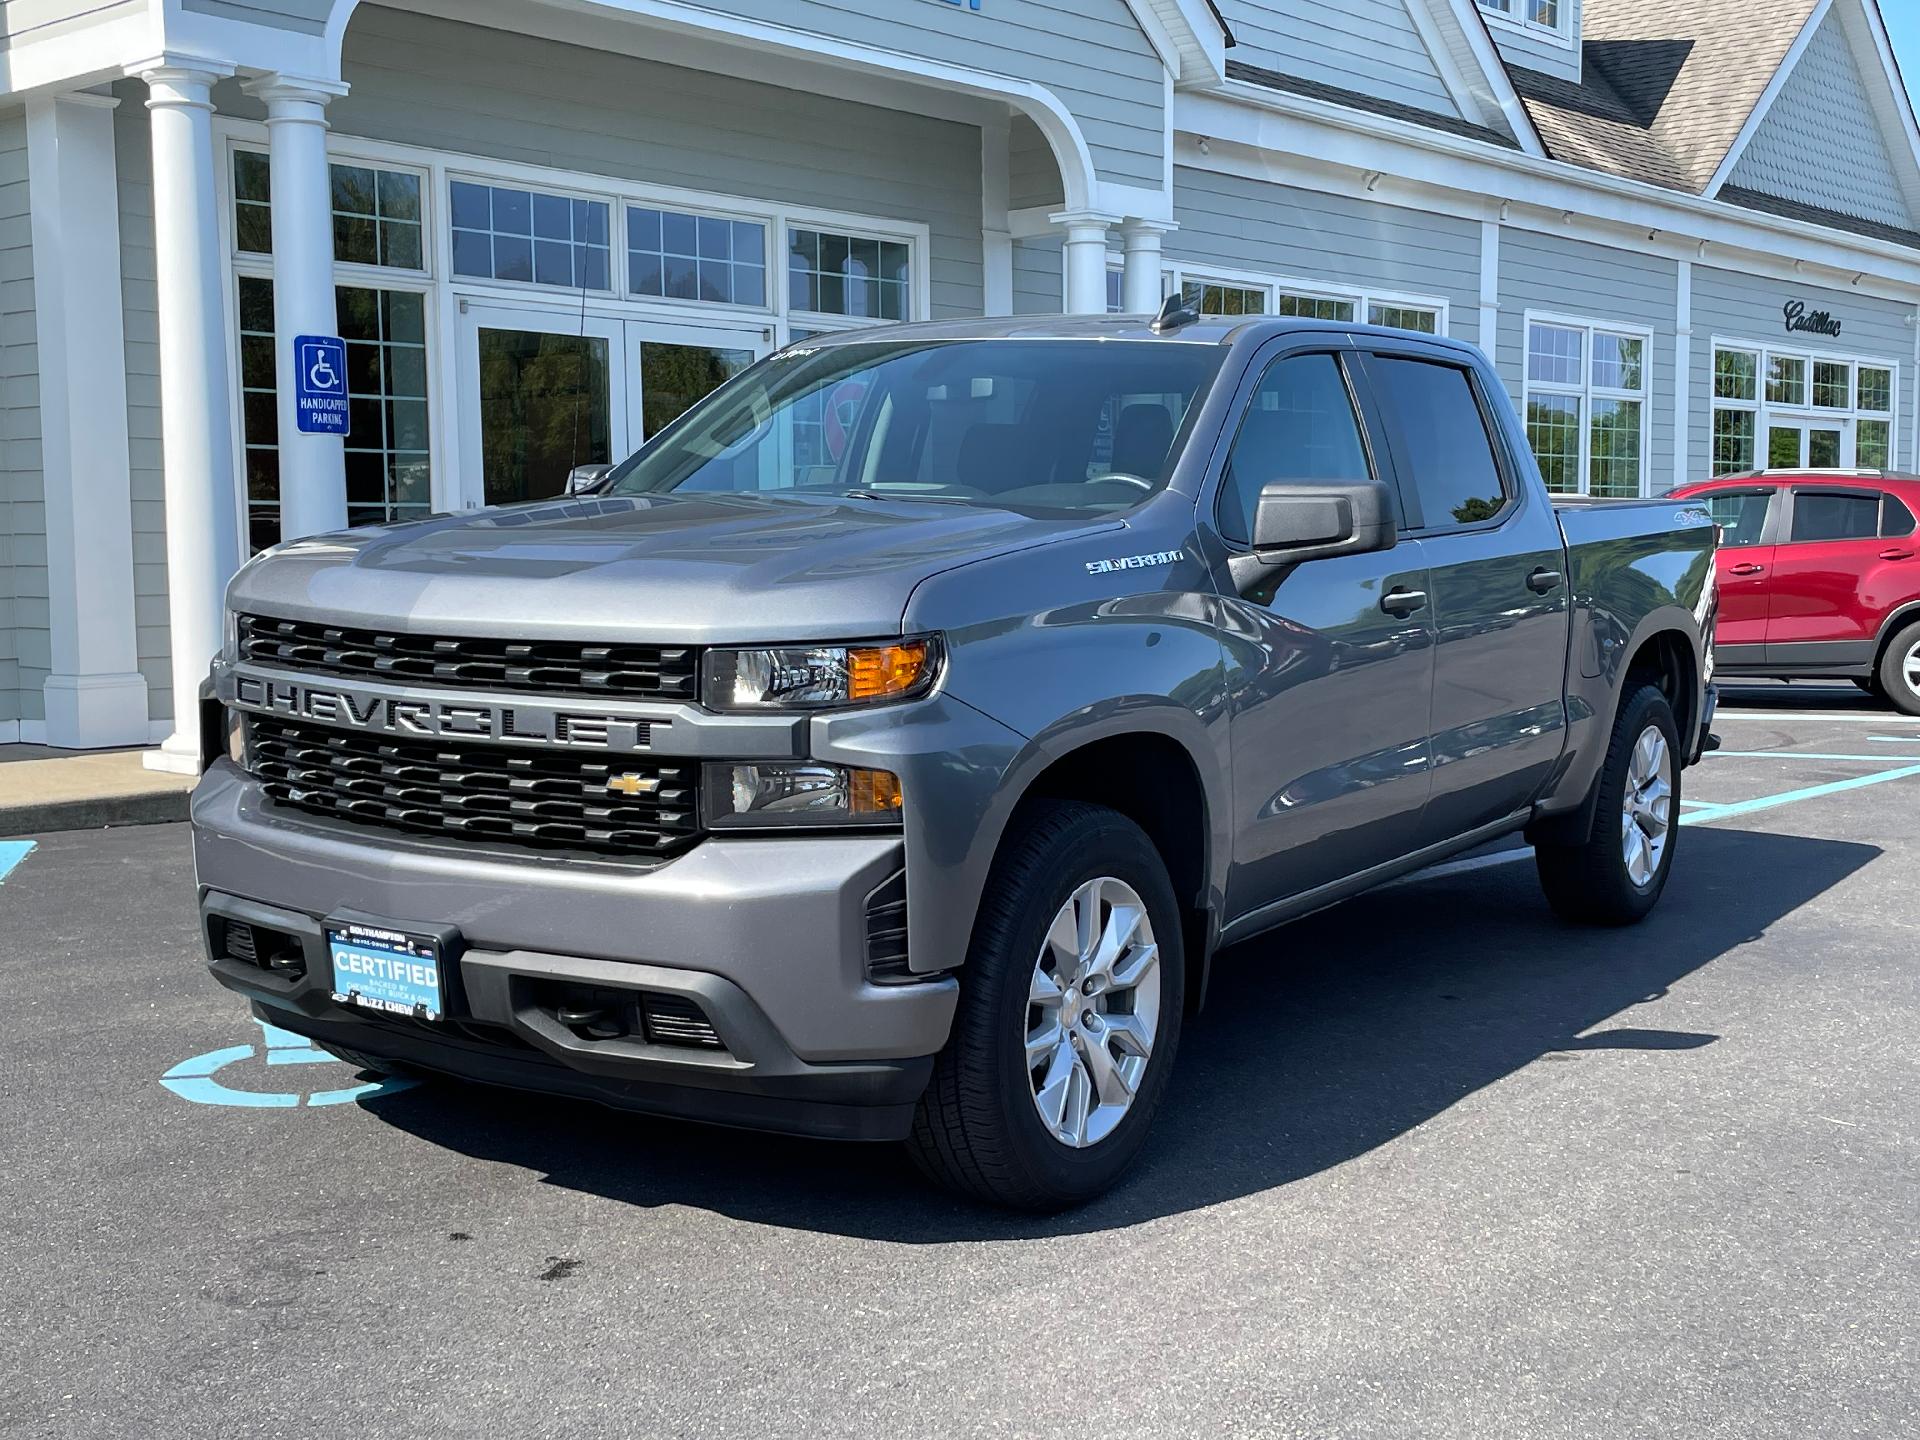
{"points": [[313, 474], [196, 397], [1683, 380], [1085, 259], [95, 694], [1490, 289], [996, 231], [1142, 287]]}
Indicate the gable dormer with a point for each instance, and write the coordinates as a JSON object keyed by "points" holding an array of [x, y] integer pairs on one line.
{"points": [[1542, 35]]}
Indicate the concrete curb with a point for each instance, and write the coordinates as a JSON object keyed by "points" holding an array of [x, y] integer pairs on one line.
{"points": [[95, 812]]}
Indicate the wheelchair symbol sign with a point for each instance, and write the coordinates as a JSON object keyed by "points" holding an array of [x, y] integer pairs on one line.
{"points": [[320, 385]]}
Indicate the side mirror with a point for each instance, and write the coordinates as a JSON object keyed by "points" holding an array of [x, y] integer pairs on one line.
{"points": [[583, 478], [1314, 519]]}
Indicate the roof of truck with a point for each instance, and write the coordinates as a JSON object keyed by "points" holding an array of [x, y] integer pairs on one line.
{"points": [[1207, 330]]}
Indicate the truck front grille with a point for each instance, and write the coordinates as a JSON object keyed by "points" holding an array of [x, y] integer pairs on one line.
{"points": [[558, 667], [476, 792]]}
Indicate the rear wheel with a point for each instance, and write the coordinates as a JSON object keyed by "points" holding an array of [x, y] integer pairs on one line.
{"points": [[1070, 1008], [1900, 670], [1616, 876]]}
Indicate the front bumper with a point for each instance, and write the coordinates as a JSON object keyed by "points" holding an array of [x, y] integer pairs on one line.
{"points": [[766, 936]]}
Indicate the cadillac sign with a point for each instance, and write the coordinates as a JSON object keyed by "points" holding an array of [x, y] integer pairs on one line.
{"points": [[1802, 321]]}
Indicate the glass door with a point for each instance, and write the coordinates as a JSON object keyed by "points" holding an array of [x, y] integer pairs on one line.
{"points": [[1809, 444], [540, 392]]}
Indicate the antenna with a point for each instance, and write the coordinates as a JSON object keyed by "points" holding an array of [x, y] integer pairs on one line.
{"points": [[1174, 313]]}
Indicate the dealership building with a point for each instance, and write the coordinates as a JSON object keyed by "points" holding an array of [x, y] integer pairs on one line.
{"points": [[1688, 234]]}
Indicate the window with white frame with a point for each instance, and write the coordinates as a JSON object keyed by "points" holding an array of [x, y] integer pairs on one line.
{"points": [[1790, 409], [677, 255], [1586, 405], [377, 213], [858, 276], [1222, 293], [1541, 15], [527, 236]]}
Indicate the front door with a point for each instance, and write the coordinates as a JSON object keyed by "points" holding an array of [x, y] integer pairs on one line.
{"points": [[543, 391], [1330, 662], [1809, 444]]}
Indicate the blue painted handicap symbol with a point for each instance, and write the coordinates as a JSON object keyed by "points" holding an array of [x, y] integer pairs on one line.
{"points": [[320, 385], [197, 1079]]}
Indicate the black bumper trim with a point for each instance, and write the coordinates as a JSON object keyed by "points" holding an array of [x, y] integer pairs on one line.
{"points": [[755, 1083]]}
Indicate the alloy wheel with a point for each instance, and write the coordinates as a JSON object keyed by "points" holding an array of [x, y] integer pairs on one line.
{"points": [[1646, 813], [1093, 1007]]}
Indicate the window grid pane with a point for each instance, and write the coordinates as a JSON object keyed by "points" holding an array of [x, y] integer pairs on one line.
{"points": [[1615, 459], [1832, 385], [1211, 299], [530, 237], [1619, 362], [1736, 375], [1404, 317], [1310, 307], [1873, 445], [1556, 355], [252, 203], [1553, 430], [1876, 390], [855, 275], [1733, 441], [1786, 380], [680, 256], [377, 217], [259, 413]]}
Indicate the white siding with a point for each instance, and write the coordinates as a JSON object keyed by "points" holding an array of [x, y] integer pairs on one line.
{"points": [[1593, 282], [1733, 306], [1367, 45], [1820, 143], [1234, 223], [24, 653]]}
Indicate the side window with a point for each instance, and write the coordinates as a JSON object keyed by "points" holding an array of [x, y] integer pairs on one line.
{"points": [[1299, 426], [1449, 460], [1896, 520], [1740, 514], [1834, 515]]}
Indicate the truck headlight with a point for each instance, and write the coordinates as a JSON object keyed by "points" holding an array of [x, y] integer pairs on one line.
{"points": [[799, 793], [818, 677]]}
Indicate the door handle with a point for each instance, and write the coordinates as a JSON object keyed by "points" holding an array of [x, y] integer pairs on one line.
{"points": [[1896, 554], [1749, 568], [1545, 582], [1402, 603]]}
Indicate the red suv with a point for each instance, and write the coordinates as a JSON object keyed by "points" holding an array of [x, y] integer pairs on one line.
{"points": [[1819, 577]]}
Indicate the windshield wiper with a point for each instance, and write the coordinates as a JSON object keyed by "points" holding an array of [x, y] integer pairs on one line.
{"points": [[907, 495]]}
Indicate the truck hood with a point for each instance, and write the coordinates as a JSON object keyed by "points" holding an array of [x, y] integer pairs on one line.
{"points": [[675, 569]]}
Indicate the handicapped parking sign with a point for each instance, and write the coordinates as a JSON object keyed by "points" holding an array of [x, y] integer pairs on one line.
{"points": [[320, 385]]}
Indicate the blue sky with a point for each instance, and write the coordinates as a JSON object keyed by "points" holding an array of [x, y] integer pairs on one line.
{"points": [[1903, 24]]}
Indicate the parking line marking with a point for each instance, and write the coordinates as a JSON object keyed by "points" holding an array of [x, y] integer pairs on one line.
{"points": [[1790, 797], [12, 852], [1809, 755], [1845, 717]]}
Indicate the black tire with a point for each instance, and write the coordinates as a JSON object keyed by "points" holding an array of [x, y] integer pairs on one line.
{"points": [[371, 1064], [1588, 883], [977, 1130], [1896, 686]]}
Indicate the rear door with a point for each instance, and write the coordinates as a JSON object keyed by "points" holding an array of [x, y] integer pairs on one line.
{"points": [[1818, 614], [1497, 563], [1747, 518], [1330, 662]]}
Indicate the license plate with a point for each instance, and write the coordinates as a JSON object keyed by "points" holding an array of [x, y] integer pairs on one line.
{"points": [[386, 970]]}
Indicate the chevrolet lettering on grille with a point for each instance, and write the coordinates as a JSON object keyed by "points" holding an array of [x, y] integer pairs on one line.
{"points": [[370, 710]]}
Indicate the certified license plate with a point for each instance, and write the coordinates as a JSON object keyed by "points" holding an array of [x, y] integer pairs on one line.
{"points": [[386, 970]]}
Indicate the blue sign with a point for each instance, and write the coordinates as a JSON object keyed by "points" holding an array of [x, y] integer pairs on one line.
{"points": [[320, 385]]}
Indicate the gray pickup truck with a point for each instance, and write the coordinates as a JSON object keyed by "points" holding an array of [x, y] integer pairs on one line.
{"points": [[886, 749]]}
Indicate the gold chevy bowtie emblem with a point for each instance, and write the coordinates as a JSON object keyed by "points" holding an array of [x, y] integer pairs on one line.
{"points": [[631, 784]]}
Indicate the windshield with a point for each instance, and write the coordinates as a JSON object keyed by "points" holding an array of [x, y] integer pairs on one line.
{"points": [[1031, 424]]}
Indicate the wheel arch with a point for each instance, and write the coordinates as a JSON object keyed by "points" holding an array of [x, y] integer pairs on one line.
{"points": [[1902, 616]]}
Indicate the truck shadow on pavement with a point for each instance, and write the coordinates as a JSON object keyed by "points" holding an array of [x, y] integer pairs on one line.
{"points": [[1319, 1043]]}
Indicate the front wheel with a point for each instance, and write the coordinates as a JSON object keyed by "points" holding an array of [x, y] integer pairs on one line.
{"points": [[1616, 876], [1070, 1008]]}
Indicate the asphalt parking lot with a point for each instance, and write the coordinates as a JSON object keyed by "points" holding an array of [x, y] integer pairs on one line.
{"points": [[1433, 1165]]}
